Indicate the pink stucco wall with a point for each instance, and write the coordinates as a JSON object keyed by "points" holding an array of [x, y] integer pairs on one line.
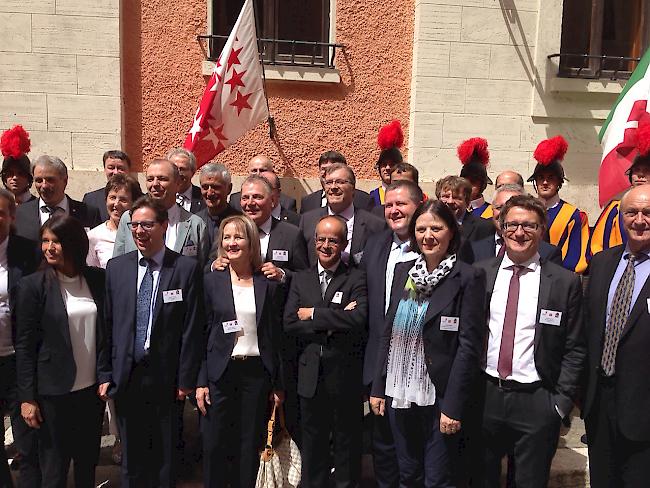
{"points": [[162, 84]]}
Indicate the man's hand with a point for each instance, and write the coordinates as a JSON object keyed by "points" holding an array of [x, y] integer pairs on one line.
{"points": [[220, 264], [351, 306], [448, 425], [183, 393], [272, 272], [277, 397], [378, 405], [203, 399], [305, 313], [102, 391], [31, 414]]}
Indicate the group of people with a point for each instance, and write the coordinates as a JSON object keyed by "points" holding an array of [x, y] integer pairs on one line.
{"points": [[463, 324]]}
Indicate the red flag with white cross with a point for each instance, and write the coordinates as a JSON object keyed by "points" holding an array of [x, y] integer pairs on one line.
{"points": [[233, 101]]}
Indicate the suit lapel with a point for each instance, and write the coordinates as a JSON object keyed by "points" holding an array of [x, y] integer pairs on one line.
{"points": [[610, 268], [638, 309], [166, 274], [58, 309], [358, 234], [467, 228], [260, 284], [445, 292], [545, 284], [273, 240], [386, 247], [491, 270], [337, 280], [182, 230]]}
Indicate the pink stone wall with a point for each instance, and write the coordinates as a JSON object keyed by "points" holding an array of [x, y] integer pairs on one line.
{"points": [[163, 84]]}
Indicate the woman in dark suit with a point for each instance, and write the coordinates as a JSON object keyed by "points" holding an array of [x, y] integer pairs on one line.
{"points": [[242, 367], [430, 348], [59, 347]]}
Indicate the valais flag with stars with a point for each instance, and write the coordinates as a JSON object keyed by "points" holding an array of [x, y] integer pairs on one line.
{"points": [[618, 134], [234, 100]]}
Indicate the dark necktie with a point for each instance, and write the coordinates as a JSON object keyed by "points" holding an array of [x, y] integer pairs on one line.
{"points": [[50, 209], [143, 309], [326, 276], [618, 314], [504, 366]]}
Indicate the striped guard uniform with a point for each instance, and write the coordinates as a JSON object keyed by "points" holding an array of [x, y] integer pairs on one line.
{"points": [[608, 231], [483, 211], [568, 229], [378, 195]]}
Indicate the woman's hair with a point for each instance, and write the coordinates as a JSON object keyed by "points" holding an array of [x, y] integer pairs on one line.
{"points": [[123, 181], [440, 210], [248, 228], [72, 237]]}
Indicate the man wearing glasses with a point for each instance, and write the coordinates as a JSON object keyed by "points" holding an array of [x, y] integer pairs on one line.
{"points": [[339, 183], [534, 352]]}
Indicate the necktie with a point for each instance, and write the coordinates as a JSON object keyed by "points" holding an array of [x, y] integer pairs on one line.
{"points": [[143, 309], [618, 314], [326, 276], [504, 366], [50, 209], [502, 247], [180, 199]]}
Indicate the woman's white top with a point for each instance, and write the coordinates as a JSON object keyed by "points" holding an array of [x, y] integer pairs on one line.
{"points": [[246, 338], [82, 320], [101, 241]]}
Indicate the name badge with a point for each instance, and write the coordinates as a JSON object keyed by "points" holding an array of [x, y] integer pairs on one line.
{"points": [[358, 257], [550, 317], [231, 326], [189, 250], [449, 323], [170, 296], [338, 296], [280, 255]]}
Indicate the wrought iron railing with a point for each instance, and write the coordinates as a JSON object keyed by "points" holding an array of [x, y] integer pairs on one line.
{"points": [[592, 66]]}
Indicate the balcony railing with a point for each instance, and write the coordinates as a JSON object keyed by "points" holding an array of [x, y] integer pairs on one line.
{"points": [[591, 66]]}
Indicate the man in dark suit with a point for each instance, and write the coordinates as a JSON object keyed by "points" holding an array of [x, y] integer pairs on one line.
{"points": [[256, 166], [492, 245], [154, 317], [188, 196], [115, 162], [50, 179], [326, 311], [534, 351], [617, 323], [339, 183], [279, 212], [216, 184], [318, 198]]}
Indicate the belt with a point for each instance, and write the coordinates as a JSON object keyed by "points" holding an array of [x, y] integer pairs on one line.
{"points": [[512, 385], [243, 357]]}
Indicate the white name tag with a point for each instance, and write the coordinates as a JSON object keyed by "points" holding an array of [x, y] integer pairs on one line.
{"points": [[170, 296], [231, 326], [449, 323], [189, 250], [338, 296], [550, 317], [280, 255]]}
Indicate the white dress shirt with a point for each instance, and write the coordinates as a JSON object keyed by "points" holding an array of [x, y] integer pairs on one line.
{"points": [[187, 198], [6, 338], [265, 236], [246, 339], [174, 216], [62, 210], [101, 241], [155, 270], [400, 251], [348, 216]]}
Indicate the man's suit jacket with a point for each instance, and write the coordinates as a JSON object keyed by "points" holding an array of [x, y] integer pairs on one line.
{"points": [[23, 257], [177, 343], [366, 226], [197, 200], [289, 216], [475, 228], [452, 357], [212, 226], [44, 360], [632, 390], [28, 217], [286, 202], [331, 326], [191, 238], [487, 249], [559, 350], [97, 199], [220, 308], [315, 199], [287, 237]]}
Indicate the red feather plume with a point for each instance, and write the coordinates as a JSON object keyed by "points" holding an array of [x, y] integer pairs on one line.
{"points": [[15, 142], [472, 149], [391, 135], [643, 136], [550, 150]]}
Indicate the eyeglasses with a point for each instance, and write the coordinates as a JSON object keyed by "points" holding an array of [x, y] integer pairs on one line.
{"points": [[337, 182], [324, 240], [145, 224], [528, 227]]}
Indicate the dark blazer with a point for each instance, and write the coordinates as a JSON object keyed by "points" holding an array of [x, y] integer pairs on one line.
{"points": [[314, 200], [212, 225], [452, 357], [286, 202], [28, 220], [287, 237], [289, 216], [197, 200], [220, 308], [475, 228], [365, 226], [343, 330], [23, 257], [486, 249], [559, 350], [632, 390], [97, 199], [177, 327], [44, 360]]}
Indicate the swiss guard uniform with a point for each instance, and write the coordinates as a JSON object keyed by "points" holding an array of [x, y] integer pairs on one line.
{"points": [[389, 139], [474, 155], [608, 231]]}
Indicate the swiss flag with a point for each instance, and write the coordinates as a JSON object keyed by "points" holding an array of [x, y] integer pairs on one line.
{"points": [[233, 101]]}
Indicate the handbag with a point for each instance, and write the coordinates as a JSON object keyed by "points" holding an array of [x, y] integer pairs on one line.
{"points": [[280, 464]]}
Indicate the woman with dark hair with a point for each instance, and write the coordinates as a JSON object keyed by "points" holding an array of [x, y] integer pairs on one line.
{"points": [[59, 348], [430, 348], [241, 371]]}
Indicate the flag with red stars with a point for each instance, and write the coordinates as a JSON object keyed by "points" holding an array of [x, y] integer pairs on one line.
{"points": [[233, 101]]}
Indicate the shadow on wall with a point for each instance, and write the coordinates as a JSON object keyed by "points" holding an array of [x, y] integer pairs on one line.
{"points": [[131, 48]]}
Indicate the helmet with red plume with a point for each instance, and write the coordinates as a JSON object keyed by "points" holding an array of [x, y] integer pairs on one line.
{"points": [[15, 145], [549, 155], [475, 157], [642, 146], [390, 140]]}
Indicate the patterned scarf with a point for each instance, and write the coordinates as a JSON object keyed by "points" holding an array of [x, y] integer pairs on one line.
{"points": [[424, 281]]}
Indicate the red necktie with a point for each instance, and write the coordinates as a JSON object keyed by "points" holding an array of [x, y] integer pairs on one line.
{"points": [[504, 366], [502, 248]]}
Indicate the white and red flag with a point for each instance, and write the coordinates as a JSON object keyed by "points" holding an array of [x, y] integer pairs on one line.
{"points": [[233, 101]]}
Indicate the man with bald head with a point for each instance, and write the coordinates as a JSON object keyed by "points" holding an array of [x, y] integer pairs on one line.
{"points": [[617, 396], [256, 166], [186, 233], [509, 177]]}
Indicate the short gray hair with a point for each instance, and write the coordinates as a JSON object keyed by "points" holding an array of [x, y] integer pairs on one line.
{"points": [[181, 151], [261, 180], [216, 169], [51, 162], [510, 188], [175, 171]]}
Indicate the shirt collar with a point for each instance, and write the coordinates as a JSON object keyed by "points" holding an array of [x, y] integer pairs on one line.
{"points": [[530, 265], [331, 269], [266, 226], [63, 204], [479, 202], [276, 212], [627, 252], [397, 242], [174, 213], [156, 258], [347, 214], [553, 201], [188, 193]]}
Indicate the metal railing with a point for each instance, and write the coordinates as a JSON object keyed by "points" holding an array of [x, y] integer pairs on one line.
{"points": [[593, 66], [281, 52]]}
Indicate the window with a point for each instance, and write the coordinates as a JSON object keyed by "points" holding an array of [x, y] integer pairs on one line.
{"points": [[603, 38], [291, 32]]}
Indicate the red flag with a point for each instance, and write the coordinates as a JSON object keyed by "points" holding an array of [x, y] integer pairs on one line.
{"points": [[233, 102]]}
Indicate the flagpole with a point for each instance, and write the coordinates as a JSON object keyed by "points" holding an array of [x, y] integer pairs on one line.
{"points": [[268, 108]]}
